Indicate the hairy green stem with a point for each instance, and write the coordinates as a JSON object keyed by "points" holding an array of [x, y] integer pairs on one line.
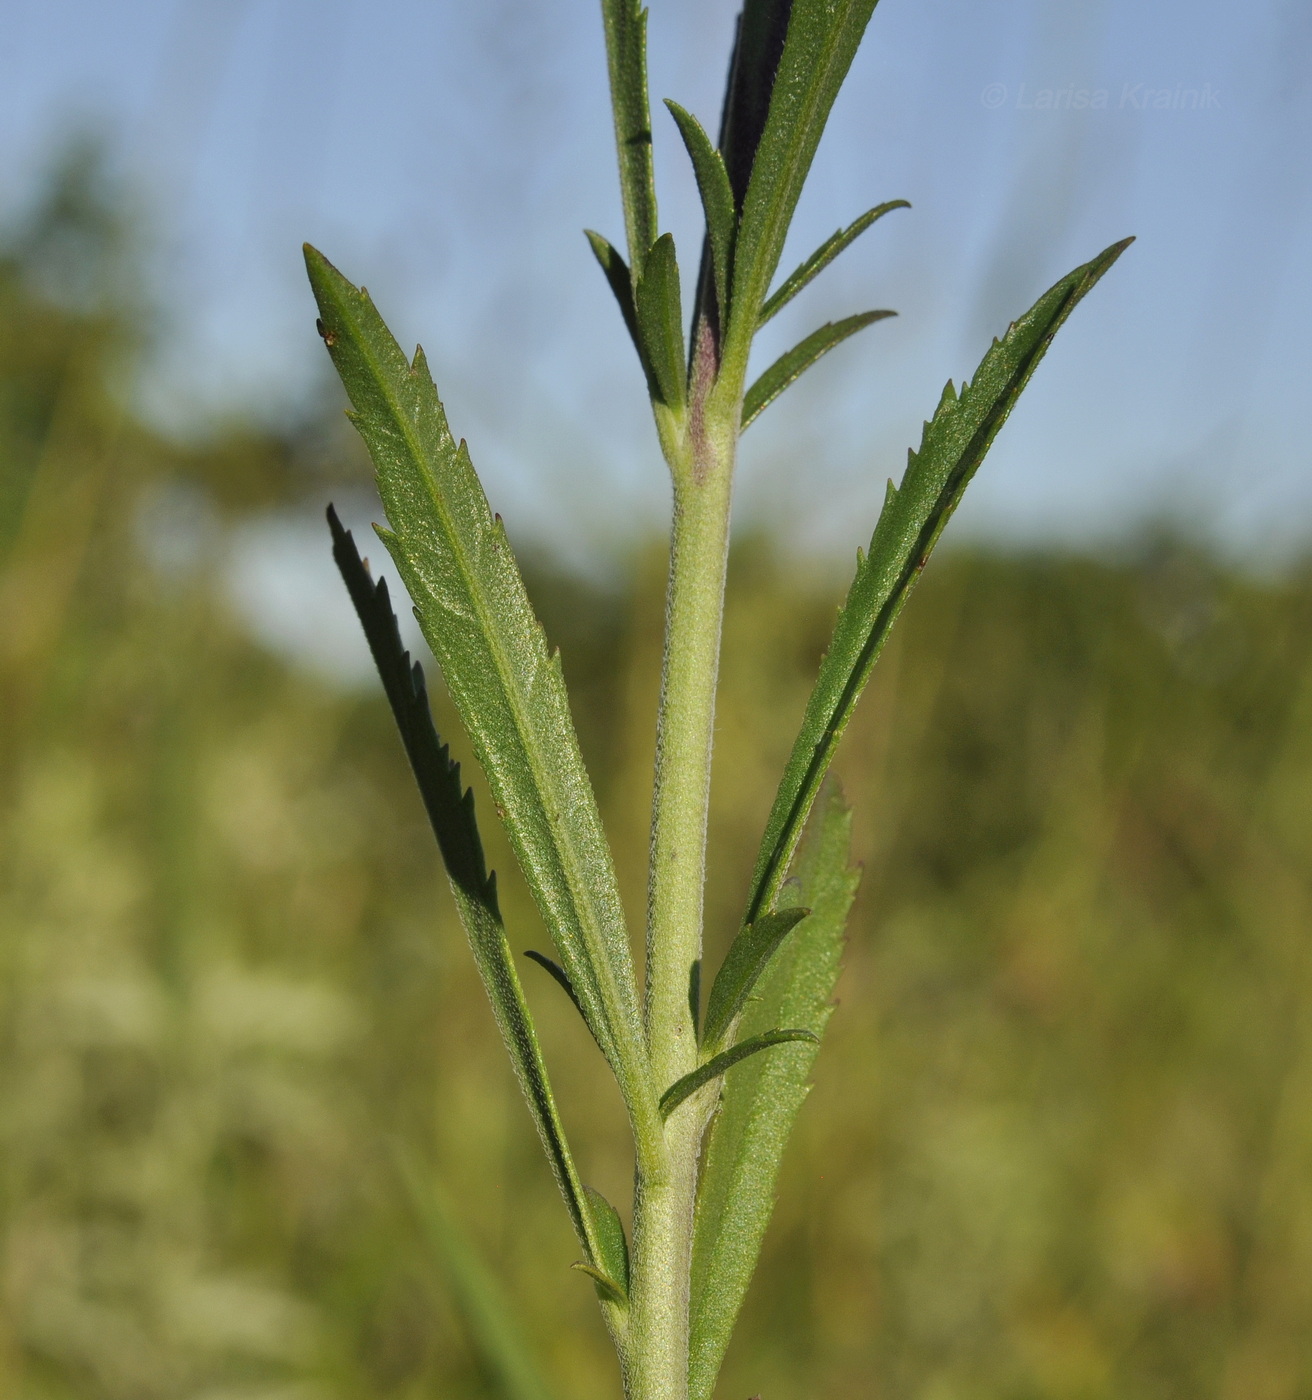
{"points": [[702, 468], [663, 1209], [694, 606]]}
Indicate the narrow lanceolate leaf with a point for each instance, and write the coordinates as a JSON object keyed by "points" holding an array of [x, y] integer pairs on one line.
{"points": [[747, 959], [822, 40], [498, 1340], [795, 362], [758, 45], [660, 321], [759, 1104], [456, 562], [822, 257], [621, 284], [717, 200], [952, 446], [684, 1088], [450, 809], [626, 57]]}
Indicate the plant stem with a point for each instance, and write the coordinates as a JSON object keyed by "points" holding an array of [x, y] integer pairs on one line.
{"points": [[702, 468], [694, 607], [657, 1342]]}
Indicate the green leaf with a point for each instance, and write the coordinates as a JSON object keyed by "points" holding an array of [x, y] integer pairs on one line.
{"points": [[626, 58], [759, 1103], [795, 362], [500, 1343], [456, 562], [746, 960], [951, 449], [822, 257], [608, 1290], [450, 809], [717, 201], [758, 42], [660, 321], [822, 40], [610, 1235], [758, 45], [684, 1088], [621, 284]]}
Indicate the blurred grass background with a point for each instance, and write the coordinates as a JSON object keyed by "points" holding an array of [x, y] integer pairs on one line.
{"points": [[1061, 1139]]}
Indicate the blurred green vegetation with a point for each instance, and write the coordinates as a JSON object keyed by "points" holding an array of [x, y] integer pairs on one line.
{"points": [[1061, 1140]]}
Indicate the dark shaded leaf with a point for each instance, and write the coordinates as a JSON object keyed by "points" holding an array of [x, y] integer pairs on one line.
{"points": [[450, 810], [821, 42], [758, 44]]}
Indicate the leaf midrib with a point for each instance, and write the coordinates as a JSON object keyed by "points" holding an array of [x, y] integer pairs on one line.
{"points": [[564, 847]]}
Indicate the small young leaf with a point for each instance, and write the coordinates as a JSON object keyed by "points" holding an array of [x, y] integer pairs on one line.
{"points": [[660, 321], [822, 257], [735, 1194], [717, 201], [952, 447], [607, 1289], [684, 1088], [626, 57], [458, 567], [451, 812], [795, 362], [822, 40], [500, 1343], [609, 1229], [621, 284], [746, 960]]}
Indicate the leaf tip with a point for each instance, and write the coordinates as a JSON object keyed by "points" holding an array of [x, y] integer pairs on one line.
{"points": [[327, 284], [606, 1286], [315, 260]]}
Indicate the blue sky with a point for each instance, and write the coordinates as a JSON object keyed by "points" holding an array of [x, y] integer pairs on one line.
{"points": [[448, 155]]}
